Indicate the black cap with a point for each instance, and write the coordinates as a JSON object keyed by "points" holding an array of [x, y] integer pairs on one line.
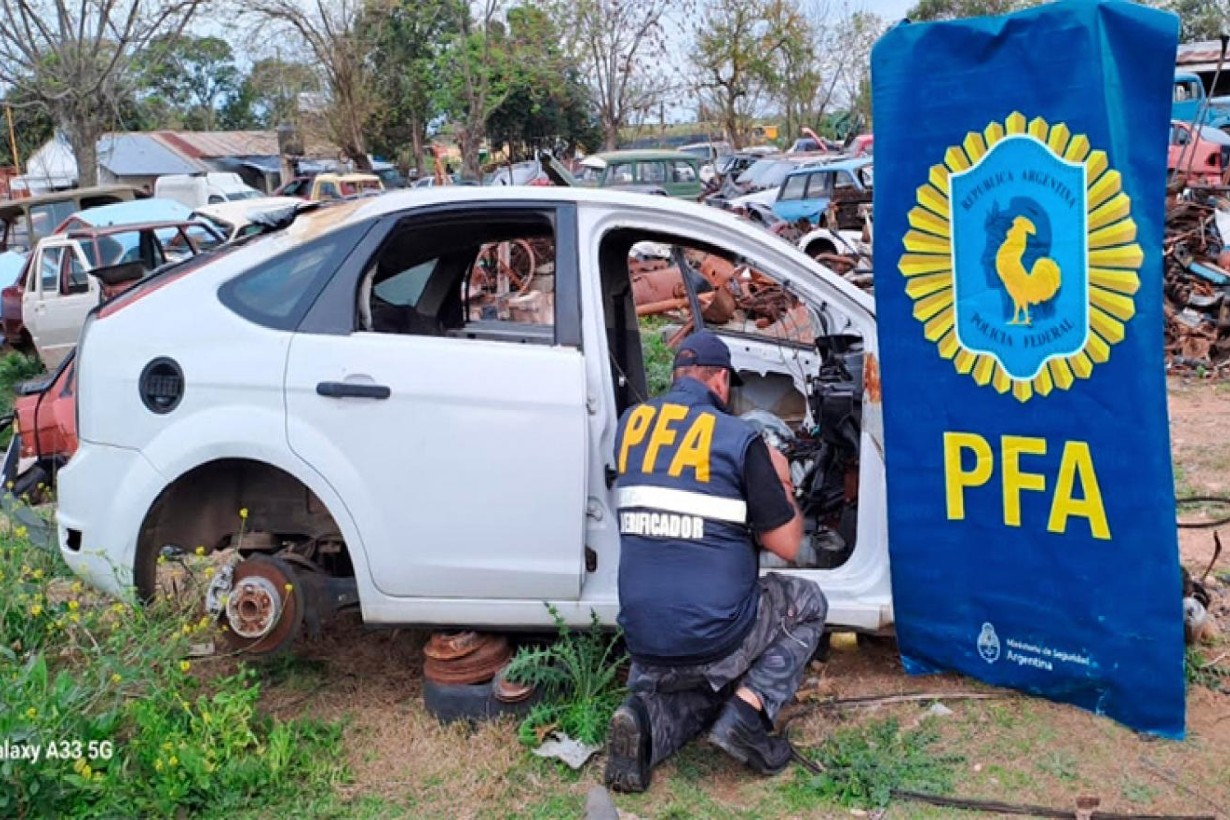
{"points": [[705, 349]]}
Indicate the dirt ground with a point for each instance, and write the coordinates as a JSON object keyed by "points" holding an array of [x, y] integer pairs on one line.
{"points": [[1011, 748]]}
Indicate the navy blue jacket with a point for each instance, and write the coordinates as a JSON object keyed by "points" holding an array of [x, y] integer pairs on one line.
{"points": [[688, 565]]}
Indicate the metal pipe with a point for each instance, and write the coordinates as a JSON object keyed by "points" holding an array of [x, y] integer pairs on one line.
{"points": [[8, 112]]}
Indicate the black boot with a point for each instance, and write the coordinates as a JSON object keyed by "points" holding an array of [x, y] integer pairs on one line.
{"points": [[629, 748], [740, 732]]}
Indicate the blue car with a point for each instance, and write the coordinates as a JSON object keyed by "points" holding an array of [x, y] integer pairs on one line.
{"points": [[805, 194]]}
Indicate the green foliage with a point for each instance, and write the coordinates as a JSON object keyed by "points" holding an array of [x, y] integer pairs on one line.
{"points": [[576, 675], [658, 361], [14, 369], [1199, 672], [863, 765], [188, 79], [134, 730]]}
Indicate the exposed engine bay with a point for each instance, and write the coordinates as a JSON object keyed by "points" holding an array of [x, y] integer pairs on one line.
{"points": [[823, 451]]}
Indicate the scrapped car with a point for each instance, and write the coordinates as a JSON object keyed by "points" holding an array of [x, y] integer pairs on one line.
{"points": [[1198, 154], [806, 194], [60, 284], [673, 173], [362, 411], [25, 221], [1190, 102], [44, 432], [234, 219]]}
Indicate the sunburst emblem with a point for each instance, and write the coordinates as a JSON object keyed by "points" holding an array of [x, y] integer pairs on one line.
{"points": [[1021, 257]]}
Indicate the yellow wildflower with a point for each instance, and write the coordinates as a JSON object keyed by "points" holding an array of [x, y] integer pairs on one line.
{"points": [[166, 747], [115, 677], [173, 761], [38, 573], [73, 606], [200, 550], [288, 587], [158, 765], [184, 666], [74, 618], [209, 572], [78, 764], [162, 559], [86, 771], [36, 610], [20, 531], [243, 513], [76, 587], [32, 713]]}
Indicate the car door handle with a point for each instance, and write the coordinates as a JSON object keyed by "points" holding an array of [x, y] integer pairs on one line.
{"points": [[351, 390]]}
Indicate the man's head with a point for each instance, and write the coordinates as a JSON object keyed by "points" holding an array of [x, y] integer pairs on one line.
{"points": [[704, 357]]}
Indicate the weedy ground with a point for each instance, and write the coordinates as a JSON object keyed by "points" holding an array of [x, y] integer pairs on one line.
{"points": [[338, 729]]}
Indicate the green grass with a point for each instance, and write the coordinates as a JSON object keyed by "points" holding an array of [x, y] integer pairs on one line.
{"points": [[862, 766], [155, 738]]}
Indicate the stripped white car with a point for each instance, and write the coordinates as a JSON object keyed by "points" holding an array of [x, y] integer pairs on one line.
{"points": [[409, 426]]}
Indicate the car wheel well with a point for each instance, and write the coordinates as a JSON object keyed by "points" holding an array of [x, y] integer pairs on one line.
{"points": [[213, 502]]}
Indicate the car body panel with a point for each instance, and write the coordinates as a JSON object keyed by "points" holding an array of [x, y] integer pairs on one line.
{"points": [[805, 194], [675, 172], [1198, 154], [435, 447]]}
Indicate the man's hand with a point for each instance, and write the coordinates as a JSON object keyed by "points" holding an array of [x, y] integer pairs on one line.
{"points": [[784, 541]]}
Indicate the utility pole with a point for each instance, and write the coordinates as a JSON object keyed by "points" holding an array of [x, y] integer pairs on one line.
{"points": [[8, 113]]}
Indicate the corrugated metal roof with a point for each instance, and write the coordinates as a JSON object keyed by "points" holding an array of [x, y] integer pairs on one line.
{"points": [[215, 144], [127, 155], [1204, 52]]}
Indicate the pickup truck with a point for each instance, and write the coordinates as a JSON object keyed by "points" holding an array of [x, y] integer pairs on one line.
{"points": [[356, 410], [1189, 100]]}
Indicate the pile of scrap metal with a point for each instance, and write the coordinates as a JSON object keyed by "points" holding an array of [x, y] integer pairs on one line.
{"points": [[737, 297], [1196, 251]]}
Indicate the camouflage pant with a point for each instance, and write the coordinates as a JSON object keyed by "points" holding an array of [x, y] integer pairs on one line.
{"points": [[682, 701]]}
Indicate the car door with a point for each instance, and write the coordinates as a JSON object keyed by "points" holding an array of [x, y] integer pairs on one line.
{"points": [[459, 444], [65, 305], [46, 309]]}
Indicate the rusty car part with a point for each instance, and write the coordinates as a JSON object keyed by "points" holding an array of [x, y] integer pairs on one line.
{"points": [[507, 691], [481, 664], [448, 646], [264, 606]]}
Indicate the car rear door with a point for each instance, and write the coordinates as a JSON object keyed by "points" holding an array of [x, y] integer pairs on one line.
{"points": [[459, 446]]}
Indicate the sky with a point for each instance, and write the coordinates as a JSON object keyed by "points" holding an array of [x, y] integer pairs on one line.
{"points": [[890, 10]]}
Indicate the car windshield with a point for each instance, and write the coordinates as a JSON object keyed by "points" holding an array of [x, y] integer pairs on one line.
{"points": [[701, 151], [752, 175], [589, 175], [775, 174], [248, 194]]}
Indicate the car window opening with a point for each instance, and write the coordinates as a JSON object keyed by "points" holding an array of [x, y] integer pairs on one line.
{"points": [[803, 386], [491, 279]]}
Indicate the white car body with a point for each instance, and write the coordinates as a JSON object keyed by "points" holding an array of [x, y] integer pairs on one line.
{"points": [[195, 190], [230, 218], [477, 489]]}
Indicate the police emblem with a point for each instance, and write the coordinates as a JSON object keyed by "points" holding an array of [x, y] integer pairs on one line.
{"points": [[1021, 257]]}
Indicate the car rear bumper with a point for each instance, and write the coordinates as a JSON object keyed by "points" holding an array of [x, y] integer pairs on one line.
{"points": [[104, 494]]}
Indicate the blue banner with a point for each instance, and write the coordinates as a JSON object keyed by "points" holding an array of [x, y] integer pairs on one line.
{"points": [[1020, 191]]}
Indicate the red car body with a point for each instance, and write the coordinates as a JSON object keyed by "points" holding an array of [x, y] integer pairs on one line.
{"points": [[1201, 157]]}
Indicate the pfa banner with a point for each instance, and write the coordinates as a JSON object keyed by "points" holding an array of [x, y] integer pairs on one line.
{"points": [[1019, 199]]}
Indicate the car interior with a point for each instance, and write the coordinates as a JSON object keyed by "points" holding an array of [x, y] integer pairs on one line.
{"points": [[489, 277]]}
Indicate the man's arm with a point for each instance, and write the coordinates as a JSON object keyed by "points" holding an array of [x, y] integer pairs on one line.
{"points": [[772, 513]]}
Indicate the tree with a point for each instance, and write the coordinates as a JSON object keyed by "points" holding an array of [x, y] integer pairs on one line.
{"points": [[954, 9], [330, 29], [32, 126], [74, 58], [1201, 19], [273, 87], [194, 76], [407, 37], [476, 70], [619, 47], [737, 45]]}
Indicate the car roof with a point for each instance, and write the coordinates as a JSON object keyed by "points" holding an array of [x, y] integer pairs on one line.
{"points": [[88, 231], [839, 165], [607, 157], [240, 208], [155, 209], [356, 177], [8, 207]]}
